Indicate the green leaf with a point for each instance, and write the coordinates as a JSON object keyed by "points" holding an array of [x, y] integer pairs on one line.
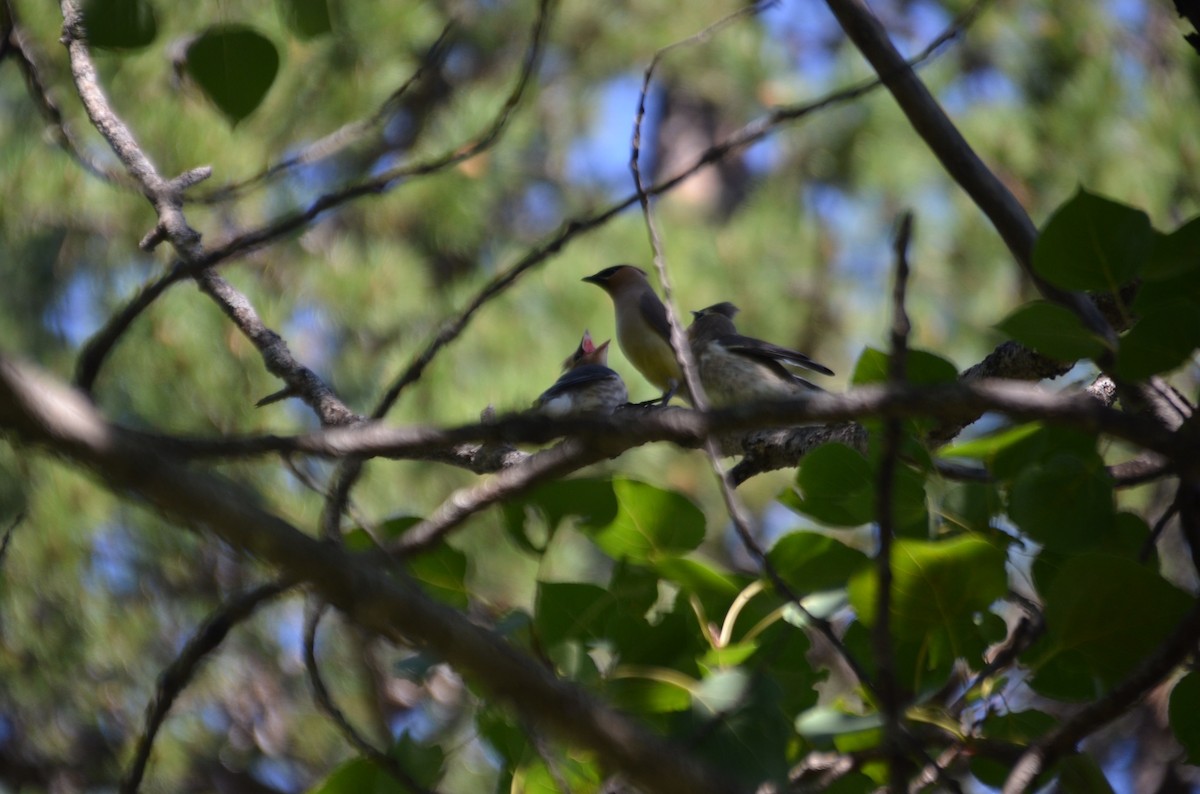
{"points": [[736, 725], [810, 562], [306, 18], [1064, 503], [590, 500], [837, 487], [1080, 774], [1104, 614], [922, 368], [363, 776], [937, 587], [234, 65], [824, 723], [986, 448], [572, 610], [577, 774], [1184, 715], [1018, 727], [970, 506], [1093, 243], [442, 572], [650, 523], [1051, 330], [1174, 254], [119, 24], [646, 696], [1160, 341]]}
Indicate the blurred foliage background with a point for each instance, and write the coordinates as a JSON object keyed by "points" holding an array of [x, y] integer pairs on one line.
{"points": [[96, 596]]}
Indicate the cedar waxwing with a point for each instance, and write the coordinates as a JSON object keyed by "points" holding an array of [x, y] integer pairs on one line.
{"points": [[642, 328], [735, 368], [586, 386]]}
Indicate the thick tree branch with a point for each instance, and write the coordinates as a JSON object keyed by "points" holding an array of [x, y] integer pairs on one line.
{"points": [[956, 155], [36, 410], [165, 196]]}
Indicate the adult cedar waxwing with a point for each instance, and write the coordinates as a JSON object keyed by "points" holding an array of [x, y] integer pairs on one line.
{"points": [[642, 328], [586, 386], [735, 368]]}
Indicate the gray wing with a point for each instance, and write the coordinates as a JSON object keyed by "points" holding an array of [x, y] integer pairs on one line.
{"points": [[767, 352], [655, 314], [578, 378]]}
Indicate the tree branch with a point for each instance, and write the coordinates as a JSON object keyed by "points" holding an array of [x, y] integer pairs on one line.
{"points": [[37, 410]]}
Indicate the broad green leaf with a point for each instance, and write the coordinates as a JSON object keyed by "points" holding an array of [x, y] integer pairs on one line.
{"points": [[423, 763], [306, 18], [922, 368], [572, 610], [1064, 503], [442, 572], [1013, 459], [970, 506], [1080, 774], [1104, 614], [824, 723], [837, 486], [234, 65], [1174, 254], [986, 448], [1019, 727], [577, 774], [1125, 538], [1162, 340], [809, 561], [590, 500], [1051, 330], [650, 523], [1184, 715], [736, 725], [647, 696], [782, 655], [1093, 243], [119, 24], [937, 586]]}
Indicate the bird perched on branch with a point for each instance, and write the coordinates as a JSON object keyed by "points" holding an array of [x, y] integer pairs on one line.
{"points": [[586, 386], [642, 328], [734, 368]]}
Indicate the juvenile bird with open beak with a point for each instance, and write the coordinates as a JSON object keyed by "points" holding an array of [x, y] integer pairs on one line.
{"points": [[734, 368], [587, 385], [642, 328]]}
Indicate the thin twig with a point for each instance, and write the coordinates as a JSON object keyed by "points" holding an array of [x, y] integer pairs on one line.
{"points": [[325, 703], [179, 673], [337, 140], [8, 534], [889, 457], [98, 348], [737, 511], [1092, 717]]}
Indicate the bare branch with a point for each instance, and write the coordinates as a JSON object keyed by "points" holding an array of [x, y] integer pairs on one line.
{"points": [[1089, 719], [172, 225], [957, 156], [180, 672], [339, 139], [889, 696], [325, 703], [40, 411]]}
